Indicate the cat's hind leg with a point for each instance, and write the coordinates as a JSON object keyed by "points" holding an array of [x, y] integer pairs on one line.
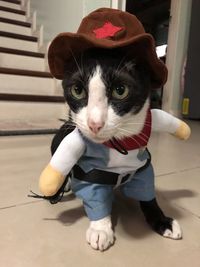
{"points": [[141, 188], [161, 224]]}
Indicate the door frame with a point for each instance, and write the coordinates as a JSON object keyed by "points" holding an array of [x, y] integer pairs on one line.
{"points": [[178, 35]]}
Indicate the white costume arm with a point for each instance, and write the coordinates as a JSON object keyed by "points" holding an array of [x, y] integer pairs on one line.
{"points": [[66, 156], [68, 152], [165, 122]]}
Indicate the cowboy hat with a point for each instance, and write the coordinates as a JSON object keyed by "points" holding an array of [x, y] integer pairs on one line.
{"points": [[109, 29]]}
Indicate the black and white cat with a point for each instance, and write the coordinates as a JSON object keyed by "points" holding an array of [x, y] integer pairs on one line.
{"points": [[109, 97]]}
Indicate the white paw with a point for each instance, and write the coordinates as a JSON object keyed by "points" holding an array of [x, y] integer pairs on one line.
{"points": [[176, 232], [100, 235]]}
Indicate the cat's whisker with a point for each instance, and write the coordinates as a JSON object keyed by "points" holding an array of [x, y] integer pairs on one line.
{"points": [[82, 60], [142, 138], [121, 61], [120, 70], [144, 135], [131, 120], [131, 137], [137, 123], [138, 143], [79, 68]]}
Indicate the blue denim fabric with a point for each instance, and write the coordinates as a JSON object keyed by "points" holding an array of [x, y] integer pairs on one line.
{"points": [[97, 198], [141, 186], [96, 156]]}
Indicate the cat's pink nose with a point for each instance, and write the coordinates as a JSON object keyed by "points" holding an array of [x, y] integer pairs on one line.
{"points": [[95, 127]]}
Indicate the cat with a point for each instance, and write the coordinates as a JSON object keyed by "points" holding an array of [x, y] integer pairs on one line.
{"points": [[108, 94]]}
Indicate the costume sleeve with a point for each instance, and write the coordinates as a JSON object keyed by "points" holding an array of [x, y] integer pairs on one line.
{"points": [[165, 122], [68, 152], [66, 156]]}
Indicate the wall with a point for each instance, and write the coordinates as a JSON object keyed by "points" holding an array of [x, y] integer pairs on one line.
{"points": [[176, 53], [63, 15], [192, 77], [57, 16]]}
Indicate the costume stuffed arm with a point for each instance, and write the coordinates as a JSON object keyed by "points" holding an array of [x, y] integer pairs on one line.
{"points": [[66, 156], [165, 122]]}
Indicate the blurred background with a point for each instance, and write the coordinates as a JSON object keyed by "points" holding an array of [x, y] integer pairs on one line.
{"points": [[28, 26]]}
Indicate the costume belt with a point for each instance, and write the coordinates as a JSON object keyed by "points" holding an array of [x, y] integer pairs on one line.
{"points": [[97, 176]]}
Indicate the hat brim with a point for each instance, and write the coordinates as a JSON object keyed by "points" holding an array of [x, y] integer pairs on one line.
{"points": [[68, 45]]}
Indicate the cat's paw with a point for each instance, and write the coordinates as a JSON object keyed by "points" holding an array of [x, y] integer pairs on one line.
{"points": [[174, 232], [100, 235]]}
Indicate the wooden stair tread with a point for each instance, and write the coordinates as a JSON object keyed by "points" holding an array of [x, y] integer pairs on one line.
{"points": [[31, 98], [32, 73], [21, 52], [18, 36], [17, 2], [15, 22], [12, 10], [29, 127]]}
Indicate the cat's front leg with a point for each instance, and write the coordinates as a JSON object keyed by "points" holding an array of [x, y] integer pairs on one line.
{"points": [[100, 235]]}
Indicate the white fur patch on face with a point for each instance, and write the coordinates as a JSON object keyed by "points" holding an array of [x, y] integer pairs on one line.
{"points": [[96, 111], [97, 100]]}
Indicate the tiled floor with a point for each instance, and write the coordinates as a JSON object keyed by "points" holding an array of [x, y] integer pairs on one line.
{"points": [[34, 233]]}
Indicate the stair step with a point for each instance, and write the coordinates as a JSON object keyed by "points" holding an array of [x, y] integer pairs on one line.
{"points": [[21, 52], [16, 22], [11, 15], [25, 111], [41, 74], [31, 85], [12, 10], [29, 127], [18, 44], [18, 2], [11, 4], [31, 98], [20, 132], [14, 28], [20, 61], [18, 36]]}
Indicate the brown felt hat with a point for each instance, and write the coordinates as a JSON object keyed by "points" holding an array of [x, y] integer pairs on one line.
{"points": [[109, 29]]}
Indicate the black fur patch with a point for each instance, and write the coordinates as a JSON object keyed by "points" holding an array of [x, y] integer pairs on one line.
{"points": [[155, 217]]}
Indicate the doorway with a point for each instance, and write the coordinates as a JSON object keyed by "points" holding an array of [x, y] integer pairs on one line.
{"points": [[155, 17]]}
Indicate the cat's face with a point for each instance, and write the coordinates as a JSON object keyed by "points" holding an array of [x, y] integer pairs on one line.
{"points": [[108, 95]]}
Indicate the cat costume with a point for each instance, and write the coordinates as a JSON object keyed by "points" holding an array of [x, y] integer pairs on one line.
{"points": [[98, 166]]}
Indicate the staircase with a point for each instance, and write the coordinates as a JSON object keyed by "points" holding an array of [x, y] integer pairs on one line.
{"points": [[31, 101]]}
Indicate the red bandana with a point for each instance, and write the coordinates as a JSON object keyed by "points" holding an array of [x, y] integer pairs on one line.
{"points": [[136, 141], [107, 30]]}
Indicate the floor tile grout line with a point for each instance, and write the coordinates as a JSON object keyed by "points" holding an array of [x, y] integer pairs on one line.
{"points": [[179, 171], [20, 204], [180, 207], [192, 213]]}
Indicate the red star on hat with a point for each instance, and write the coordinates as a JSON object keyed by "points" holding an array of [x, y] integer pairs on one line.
{"points": [[107, 30]]}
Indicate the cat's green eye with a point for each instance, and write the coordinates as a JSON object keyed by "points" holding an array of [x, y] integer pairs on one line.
{"points": [[78, 92], [120, 91]]}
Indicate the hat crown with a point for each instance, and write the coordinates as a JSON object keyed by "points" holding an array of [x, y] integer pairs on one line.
{"points": [[125, 25]]}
